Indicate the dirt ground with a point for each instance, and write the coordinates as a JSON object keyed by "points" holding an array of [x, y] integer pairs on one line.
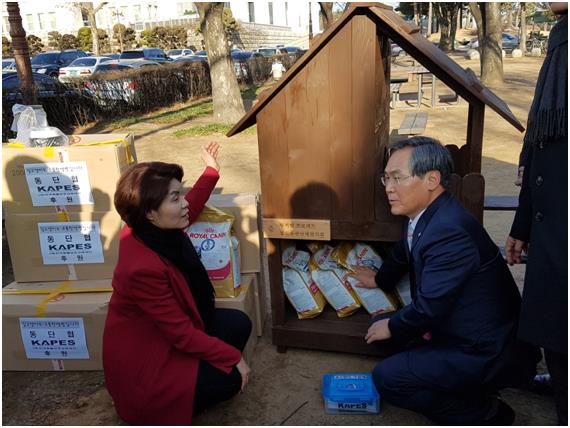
{"points": [[285, 388]]}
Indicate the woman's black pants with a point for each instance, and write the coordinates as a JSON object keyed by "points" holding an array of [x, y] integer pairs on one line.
{"points": [[213, 385]]}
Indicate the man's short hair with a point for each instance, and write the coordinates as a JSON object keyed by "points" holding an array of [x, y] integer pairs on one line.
{"points": [[428, 154]]}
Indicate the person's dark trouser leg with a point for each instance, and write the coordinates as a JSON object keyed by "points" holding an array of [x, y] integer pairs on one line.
{"points": [[558, 368], [399, 386], [213, 385]]}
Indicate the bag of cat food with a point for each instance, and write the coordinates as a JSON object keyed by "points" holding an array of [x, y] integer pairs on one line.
{"points": [[211, 234], [347, 254], [298, 284], [303, 293], [296, 259], [332, 280]]}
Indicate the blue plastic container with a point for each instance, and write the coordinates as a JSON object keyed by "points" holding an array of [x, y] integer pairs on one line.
{"points": [[350, 393]]}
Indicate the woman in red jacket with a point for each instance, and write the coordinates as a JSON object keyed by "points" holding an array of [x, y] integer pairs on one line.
{"points": [[167, 352]]}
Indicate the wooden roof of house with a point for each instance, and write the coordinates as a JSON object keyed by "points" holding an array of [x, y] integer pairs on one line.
{"points": [[407, 36]]}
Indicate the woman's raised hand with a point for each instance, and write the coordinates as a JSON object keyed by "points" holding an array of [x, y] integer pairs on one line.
{"points": [[210, 154]]}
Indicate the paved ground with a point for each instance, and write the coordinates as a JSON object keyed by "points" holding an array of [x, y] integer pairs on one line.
{"points": [[285, 388]]}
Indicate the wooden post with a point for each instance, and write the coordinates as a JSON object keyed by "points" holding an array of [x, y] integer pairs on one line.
{"points": [[475, 124], [21, 54]]}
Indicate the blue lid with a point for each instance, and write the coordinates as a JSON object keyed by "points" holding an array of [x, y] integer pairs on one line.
{"points": [[349, 387]]}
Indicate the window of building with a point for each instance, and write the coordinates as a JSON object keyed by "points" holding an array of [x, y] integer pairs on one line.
{"points": [[30, 21], [251, 8], [286, 14], [227, 5], [41, 20], [270, 4], [52, 21], [85, 18], [137, 10]]}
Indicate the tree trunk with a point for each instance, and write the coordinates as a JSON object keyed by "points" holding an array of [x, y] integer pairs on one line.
{"points": [[476, 12], [509, 22], [21, 54], [326, 14], [310, 23], [430, 15], [416, 21], [454, 17], [226, 97], [491, 48], [447, 17], [87, 8], [523, 27]]}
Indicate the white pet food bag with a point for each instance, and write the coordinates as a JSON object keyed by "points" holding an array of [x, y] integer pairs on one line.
{"points": [[347, 254], [331, 280], [303, 293], [211, 235]]}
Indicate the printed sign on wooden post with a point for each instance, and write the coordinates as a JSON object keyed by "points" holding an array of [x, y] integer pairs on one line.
{"points": [[308, 229]]}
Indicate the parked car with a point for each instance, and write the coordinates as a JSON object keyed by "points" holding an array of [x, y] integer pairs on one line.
{"points": [[266, 51], [290, 49], [111, 55], [509, 41], [201, 53], [81, 67], [8, 64], [107, 92], [149, 54], [177, 53], [50, 62], [47, 86], [124, 64], [191, 58], [242, 62]]}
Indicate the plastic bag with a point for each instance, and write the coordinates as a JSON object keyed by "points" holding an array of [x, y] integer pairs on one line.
{"points": [[47, 136], [40, 115]]}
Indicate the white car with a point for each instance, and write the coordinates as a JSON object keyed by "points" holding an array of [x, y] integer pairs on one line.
{"points": [[107, 92], [81, 67], [177, 53]]}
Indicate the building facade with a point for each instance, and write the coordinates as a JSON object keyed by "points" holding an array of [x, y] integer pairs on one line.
{"points": [[40, 18]]}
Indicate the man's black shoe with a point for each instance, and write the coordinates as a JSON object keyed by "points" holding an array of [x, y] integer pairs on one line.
{"points": [[541, 384], [505, 416]]}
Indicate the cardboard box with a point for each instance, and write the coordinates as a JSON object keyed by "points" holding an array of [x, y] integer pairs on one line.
{"points": [[38, 242], [246, 302], [57, 287], [81, 177], [69, 317]]}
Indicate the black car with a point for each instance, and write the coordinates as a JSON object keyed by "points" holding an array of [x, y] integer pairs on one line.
{"points": [[49, 63], [150, 54], [46, 86]]}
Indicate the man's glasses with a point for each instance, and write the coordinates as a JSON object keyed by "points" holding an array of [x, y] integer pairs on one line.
{"points": [[394, 181]]}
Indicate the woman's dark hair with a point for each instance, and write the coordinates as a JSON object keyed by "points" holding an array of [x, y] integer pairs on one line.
{"points": [[428, 154], [142, 188]]}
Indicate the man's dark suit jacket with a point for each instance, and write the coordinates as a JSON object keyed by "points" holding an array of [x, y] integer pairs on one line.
{"points": [[462, 292]]}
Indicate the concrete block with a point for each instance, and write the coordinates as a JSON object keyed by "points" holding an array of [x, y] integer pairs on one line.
{"points": [[517, 53], [535, 52]]}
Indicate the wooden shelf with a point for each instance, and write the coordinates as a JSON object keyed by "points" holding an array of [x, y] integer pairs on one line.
{"points": [[327, 332]]}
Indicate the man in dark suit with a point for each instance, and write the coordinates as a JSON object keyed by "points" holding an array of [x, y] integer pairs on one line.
{"points": [[458, 335]]}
